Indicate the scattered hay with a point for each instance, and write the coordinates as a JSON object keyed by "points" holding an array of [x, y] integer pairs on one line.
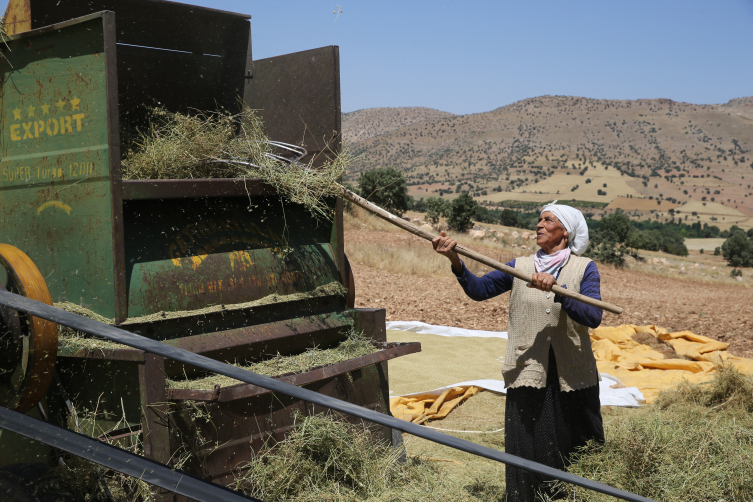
{"points": [[221, 145], [325, 459], [71, 339], [695, 444], [355, 345], [729, 389]]}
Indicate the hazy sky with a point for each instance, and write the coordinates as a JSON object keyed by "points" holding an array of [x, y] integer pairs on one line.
{"points": [[467, 57]]}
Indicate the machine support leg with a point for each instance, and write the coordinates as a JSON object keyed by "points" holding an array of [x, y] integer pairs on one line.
{"points": [[154, 419]]}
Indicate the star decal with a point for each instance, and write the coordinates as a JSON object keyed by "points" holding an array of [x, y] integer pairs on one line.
{"points": [[31, 109], [17, 114], [74, 102], [60, 104], [45, 109]]}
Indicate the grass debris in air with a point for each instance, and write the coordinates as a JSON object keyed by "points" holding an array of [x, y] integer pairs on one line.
{"points": [[694, 444], [355, 345], [222, 145]]}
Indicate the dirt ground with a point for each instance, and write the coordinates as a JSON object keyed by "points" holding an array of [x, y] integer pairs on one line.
{"points": [[719, 311]]}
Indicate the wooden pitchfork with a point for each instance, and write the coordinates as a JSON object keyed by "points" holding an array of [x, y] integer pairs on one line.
{"points": [[399, 222]]}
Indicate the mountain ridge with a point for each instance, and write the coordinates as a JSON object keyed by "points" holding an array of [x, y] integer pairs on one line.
{"points": [[657, 150]]}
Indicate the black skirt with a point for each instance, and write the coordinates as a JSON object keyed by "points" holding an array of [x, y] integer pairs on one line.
{"points": [[547, 425]]}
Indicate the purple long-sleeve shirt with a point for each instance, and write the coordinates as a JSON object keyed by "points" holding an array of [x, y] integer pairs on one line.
{"points": [[495, 283]]}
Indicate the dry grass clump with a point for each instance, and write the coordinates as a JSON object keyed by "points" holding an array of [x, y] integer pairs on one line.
{"points": [[324, 459], [355, 345], [729, 390], [222, 145], [694, 445]]}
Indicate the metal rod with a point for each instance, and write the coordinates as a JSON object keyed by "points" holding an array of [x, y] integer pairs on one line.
{"points": [[117, 459], [118, 335], [399, 222]]}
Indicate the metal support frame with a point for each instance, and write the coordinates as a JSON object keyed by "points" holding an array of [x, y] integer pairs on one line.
{"points": [[120, 336]]}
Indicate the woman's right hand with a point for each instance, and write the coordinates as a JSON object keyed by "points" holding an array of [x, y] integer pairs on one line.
{"points": [[446, 247]]}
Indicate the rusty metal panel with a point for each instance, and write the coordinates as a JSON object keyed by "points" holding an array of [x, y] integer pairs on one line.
{"points": [[17, 17], [223, 394], [371, 321], [55, 147], [167, 25], [298, 97], [257, 342], [194, 188], [186, 254]]}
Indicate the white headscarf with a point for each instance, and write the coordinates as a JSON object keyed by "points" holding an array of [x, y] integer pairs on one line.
{"points": [[575, 224]]}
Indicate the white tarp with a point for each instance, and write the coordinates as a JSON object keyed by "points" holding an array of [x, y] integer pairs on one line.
{"points": [[611, 390], [624, 396], [432, 329]]}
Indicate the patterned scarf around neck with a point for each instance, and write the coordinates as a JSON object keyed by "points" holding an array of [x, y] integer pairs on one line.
{"points": [[551, 263]]}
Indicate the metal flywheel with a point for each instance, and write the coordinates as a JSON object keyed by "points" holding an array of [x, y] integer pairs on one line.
{"points": [[28, 344]]}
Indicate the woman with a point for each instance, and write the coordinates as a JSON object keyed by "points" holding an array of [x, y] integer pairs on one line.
{"points": [[550, 372]]}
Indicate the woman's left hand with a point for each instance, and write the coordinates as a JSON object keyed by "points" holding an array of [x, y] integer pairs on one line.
{"points": [[542, 281]]}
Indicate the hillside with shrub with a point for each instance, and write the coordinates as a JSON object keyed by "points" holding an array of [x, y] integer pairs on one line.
{"points": [[646, 157]]}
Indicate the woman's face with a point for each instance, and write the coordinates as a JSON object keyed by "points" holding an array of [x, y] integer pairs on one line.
{"points": [[550, 233]]}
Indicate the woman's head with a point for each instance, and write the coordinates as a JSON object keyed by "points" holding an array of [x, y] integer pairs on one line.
{"points": [[562, 227], [551, 234]]}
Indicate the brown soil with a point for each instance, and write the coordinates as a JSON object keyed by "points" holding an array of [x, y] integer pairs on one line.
{"points": [[719, 311]]}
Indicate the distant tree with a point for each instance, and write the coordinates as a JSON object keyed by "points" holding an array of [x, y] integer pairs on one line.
{"points": [[386, 188], [615, 227], [436, 208], [419, 205], [461, 213], [738, 250], [508, 218]]}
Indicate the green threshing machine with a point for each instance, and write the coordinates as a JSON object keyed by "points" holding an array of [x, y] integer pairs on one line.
{"points": [[78, 77]]}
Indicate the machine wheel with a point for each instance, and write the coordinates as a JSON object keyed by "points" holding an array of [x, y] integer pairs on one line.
{"points": [[28, 344]]}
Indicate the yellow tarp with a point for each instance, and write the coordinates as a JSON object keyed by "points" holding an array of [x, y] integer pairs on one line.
{"points": [[633, 363], [638, 365], [418, 408]]}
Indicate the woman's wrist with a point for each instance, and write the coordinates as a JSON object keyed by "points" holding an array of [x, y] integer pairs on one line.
{"points": [[457, 265]]}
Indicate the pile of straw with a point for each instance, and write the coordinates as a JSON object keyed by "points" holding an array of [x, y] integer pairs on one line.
{"points": [[355, 345], [326, 459], [695, 444], [221, 145]]}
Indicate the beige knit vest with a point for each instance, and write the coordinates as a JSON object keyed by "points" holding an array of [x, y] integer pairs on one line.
{"points": [[536, 322]]}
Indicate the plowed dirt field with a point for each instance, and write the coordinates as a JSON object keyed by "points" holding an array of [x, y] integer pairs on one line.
{"points": [[720, 311]]}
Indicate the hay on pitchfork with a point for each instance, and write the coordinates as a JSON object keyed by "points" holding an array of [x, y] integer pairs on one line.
{"points": [[223, 145]]}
